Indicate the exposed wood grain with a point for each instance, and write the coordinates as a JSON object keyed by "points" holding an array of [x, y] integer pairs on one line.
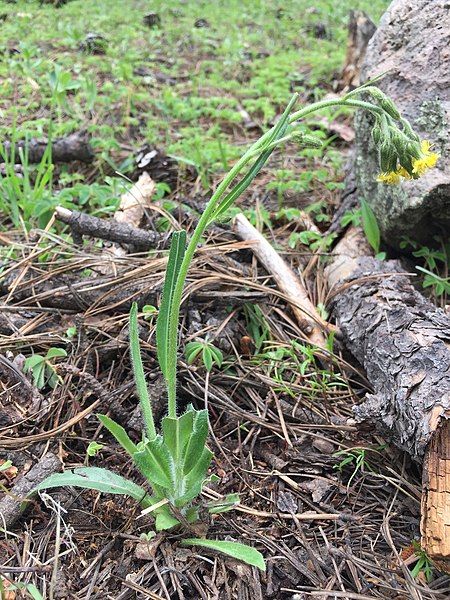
{"points": [[435, 525]]}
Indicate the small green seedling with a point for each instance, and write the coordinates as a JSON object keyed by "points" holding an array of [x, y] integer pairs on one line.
{"points": [[356, 458], [42, 367], [352, 217], [149, 312], [175, 460], [441, 285], [5, 466], [30, 588], [93, 449], [204, 350], [71, 332], [423, 564]]}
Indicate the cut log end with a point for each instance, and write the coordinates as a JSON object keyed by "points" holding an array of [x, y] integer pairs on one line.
{"points": [[435, 525]]}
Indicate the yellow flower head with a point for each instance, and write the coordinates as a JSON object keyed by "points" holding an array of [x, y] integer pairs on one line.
{"points": [[420, 165], [391, 177], [427, 161]]}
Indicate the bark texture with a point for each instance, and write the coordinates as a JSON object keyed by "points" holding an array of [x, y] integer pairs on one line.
{"points": [[107, 229], [14, 503], [402, 341], [435, 525], [73, 147], [360, 31]]}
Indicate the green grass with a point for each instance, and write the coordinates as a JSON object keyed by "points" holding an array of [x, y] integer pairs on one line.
{"points": [[181, 87]]}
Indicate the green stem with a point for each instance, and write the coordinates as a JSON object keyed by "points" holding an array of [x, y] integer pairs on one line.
{"points": [[172, 357]]}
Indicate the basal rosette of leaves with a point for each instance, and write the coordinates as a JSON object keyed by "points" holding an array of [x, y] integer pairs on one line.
{"points": [[175, 460]]}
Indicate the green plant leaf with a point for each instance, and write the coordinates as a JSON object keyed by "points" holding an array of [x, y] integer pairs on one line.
{"points": [[223, 504], [139, 376], [95, 478], [217, 355], [93, 448], [207, 358], [192, 350], [176, 254], [197, 441], [55, 353], [119, 433], [176, 433], [277, 133], [33, 361], [195, 480], [28, 587], [370, 226], [39, 375], [154, 461], [242, 552], [164, 520]]}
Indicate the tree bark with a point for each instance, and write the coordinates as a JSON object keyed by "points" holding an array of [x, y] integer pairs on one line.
{"points": [[15, 502], [403, 343], [75, 146], [360, 31], [107, 229]]}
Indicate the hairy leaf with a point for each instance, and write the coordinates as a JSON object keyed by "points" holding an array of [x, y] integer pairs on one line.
{"points": [[176, 433], [176, 255], [370, 225], [138, 371], [242, 552], [119, 433], [197, 441], [154, 461], [195, 480], [95, 478]]}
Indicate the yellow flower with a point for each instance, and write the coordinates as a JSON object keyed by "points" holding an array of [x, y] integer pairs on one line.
{"points": [[404, 173], [427, 161], [391, 177]]}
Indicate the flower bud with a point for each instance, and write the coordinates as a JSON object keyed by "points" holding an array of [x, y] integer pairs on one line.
{"points": [[387, 156], [406, 162], [376, 134], [408, 130], [414, 150], [388, 106], [308, 141]]}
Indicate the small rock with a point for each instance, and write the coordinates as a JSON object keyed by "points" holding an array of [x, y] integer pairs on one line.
{"points": [[152, 20], [411, 46], [287, 503], [199, 23], [94, 43]]}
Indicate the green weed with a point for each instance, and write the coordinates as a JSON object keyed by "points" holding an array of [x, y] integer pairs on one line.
{"points": [[176, 461], [204, 350], [42, 367]]}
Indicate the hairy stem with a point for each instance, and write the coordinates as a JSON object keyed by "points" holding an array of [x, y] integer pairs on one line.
{"points": [[204, 221]]}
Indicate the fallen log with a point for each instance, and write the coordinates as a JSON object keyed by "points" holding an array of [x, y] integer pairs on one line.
{"points": [[13, 504], [403, 343], [107, 229], [75, 146]]}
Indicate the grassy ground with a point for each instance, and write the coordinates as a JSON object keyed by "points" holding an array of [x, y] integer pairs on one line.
{"points": [[189, 89], [201, 85]]}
